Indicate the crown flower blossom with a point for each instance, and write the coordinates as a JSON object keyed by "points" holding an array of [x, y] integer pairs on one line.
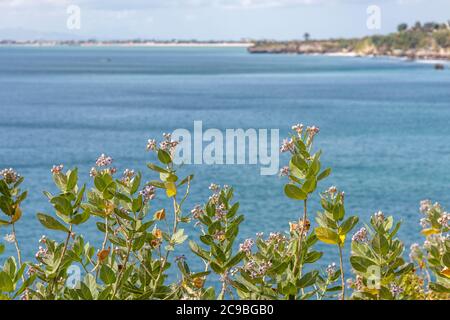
{"points": [[57, 169], [103, 161], [298, 128], [10, 238], [312, 131], [148, 193], [247, 246], [331, 270], [151, 145], [425, 205], [360, 235], [9, 175], [287, 145], [197, 211], [168, 144], [284, 172]]}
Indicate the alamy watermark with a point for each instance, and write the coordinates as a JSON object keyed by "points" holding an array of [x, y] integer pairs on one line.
{"points": [[373, 21], [74, 19], [230, 147]]}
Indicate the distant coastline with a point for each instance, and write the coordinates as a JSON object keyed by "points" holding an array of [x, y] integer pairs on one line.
{"points": [[126, 43], [430, 41]]}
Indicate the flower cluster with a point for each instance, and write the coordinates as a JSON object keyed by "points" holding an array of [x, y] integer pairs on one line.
{"points": [[395, 289], [9, 175], [57, 169], [151, 144], [247, 246], [298, 128], [331, 270], [103, 161], [127, 175], [360, 235], [312, 131], [197, 211], [287, 145], [148, 193], [443, 219], [168, 144], [41, 253], [302, 226], [11, 238], [379, 216], [415, 252], [284, 172], [257, 270]]}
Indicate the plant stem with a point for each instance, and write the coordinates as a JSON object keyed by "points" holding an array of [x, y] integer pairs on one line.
{"points": [[174, 230], [305, 212], [298, 258], [16, 243], [66, 244], [342, 273]]}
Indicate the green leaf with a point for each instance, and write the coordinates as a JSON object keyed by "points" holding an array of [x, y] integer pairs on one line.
{"points": [[156, 168], [62, 205], [216, 268], [72, 180], [361, 264], [6, 283], [327, 235], [380, 244], [51, 223], [348, 225], [4, 188], [294, 192], [199, 251], [439, 288], [299, 162], [137, 204], [231, 213], [99, 183], [408, 268], [179, 237], [310, 185], [308, 279], [60, 180], [107, 275], [80, 218], [446, 259], [164, 156], [2, 248], [235, 260], [325, 173], [136, 183], [313, 256]]}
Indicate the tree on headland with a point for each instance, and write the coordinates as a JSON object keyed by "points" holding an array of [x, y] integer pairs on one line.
{"points": [[417, 25], [402, 27], [306, 36]]}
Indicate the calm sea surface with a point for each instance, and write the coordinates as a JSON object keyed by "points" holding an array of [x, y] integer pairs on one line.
{"points": [[385, 124]]}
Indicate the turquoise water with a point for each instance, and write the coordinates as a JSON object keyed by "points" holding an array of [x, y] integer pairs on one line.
{"points": [[384, 123]]}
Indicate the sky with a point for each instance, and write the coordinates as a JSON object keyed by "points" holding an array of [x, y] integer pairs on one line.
{"points": [[210, 19]]}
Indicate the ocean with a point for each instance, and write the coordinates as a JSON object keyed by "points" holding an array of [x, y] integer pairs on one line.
{"points": [[384, 126]]}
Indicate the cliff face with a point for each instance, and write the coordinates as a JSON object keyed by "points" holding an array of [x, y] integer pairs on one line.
{"points": [[413, 44]]}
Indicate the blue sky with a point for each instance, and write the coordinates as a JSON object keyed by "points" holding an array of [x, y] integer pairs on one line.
{"points": [[212, 19]]}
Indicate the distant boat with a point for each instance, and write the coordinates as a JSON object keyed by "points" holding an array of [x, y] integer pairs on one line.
{"points": [[439, 66]]}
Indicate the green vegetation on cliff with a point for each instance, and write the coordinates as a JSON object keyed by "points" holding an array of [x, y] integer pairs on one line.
{"points": [[428, 41]]}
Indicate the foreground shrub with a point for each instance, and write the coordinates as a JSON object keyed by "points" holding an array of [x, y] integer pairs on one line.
{"points": [[140, 238]]}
